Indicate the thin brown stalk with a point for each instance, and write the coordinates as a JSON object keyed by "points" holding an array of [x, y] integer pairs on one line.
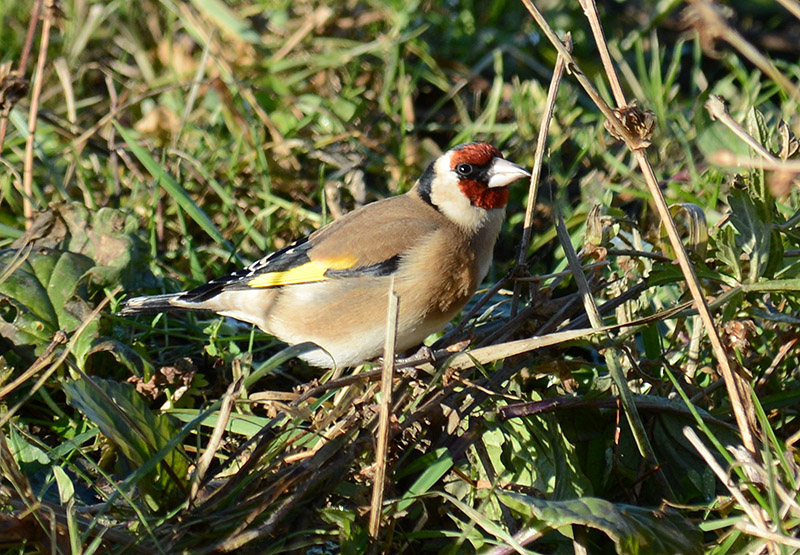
{"points": [[113, 156], [728, 159], [611, 356], [320, 469], [686, 266], [23, 60], [541, 144], [38, 78], [752, 512], [385, 413], [523, 537], [707, 17], [61, 358], [575, 70], [590, 11], [316, 19], [59, 338], [719, 111], [223, 417], [768, 535], [491, 353]]}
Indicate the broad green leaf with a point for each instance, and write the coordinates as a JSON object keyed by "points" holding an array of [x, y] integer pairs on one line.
{"points": [[124, 354], [633, 529], [535, 452], [125, 419], [108, 237], [726, 251], [41, 296], [713, 137], [23, 452]]}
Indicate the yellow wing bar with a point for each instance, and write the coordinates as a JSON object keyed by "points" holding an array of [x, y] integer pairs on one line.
{"points": [[309, 272]]}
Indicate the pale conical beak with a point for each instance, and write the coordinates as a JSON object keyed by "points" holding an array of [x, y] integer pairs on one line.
{"points": [[504, 172]]}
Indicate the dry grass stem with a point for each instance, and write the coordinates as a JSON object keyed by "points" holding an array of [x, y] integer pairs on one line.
{"points": [[316, 19], [38, 80], [23, 60], [792, 6], [740, 412], [719, 111], [590, 11], [753, 512], [385, 414], [726, 158], [563, 273], [575, 70], [772, 537], [491, 353], [536, 172], [62, 356], [223, 417], [710, 21], [59, 339], [611, 354]]}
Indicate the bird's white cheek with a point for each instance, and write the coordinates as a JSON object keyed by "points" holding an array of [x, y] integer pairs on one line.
{"points": [[451, 202]]}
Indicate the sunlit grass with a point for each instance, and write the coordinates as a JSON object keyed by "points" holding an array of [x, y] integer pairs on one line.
{"points": [[176, 141]]}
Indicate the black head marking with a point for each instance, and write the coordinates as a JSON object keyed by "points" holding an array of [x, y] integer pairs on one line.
{"points": [[425, 183]]}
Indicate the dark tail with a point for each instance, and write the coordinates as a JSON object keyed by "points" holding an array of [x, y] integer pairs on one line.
{"points": [[154, 305]]}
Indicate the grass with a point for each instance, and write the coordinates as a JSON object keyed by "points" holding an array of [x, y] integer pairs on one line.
{"points": [[175, 141]]}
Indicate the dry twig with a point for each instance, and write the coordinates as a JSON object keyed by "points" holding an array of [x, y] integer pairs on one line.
{"points": [[728, 375], [541, 144]]}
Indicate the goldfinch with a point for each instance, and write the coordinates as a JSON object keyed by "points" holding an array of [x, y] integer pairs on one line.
{"points": [[331, 288]]}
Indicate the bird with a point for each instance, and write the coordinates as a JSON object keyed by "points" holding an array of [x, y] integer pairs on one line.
{"points": [[331, 288]]}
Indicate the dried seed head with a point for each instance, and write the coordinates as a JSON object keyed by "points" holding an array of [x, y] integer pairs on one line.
{"points": [[639, 123], [12, 88], [55, 11], [710, 20]]}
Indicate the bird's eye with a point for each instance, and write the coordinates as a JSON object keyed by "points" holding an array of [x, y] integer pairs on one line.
{"points": [[464, 169]]}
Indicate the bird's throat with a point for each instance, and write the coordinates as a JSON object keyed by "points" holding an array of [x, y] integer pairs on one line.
{"points": [[482, 196]]}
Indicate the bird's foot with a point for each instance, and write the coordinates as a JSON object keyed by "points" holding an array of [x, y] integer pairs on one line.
{"points": [[424, 355]]}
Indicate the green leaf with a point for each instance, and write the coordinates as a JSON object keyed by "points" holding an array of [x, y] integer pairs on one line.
{"points": [[758, 129], [247, 425], [41, 296], [111, 239], [125, 419], [66, 489], [727, 253], [633, 529], [753, 232], [227, 20], [108, 237], [25, 453], [434, 471]]}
